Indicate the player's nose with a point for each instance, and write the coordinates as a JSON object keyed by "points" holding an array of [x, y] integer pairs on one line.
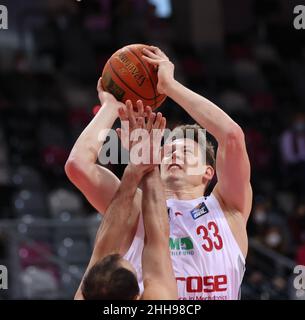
{"points": [[177, 157]]}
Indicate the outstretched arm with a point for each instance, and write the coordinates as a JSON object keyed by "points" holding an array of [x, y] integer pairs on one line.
{"points": [[232, 163], [117, 223], [158, 275]]}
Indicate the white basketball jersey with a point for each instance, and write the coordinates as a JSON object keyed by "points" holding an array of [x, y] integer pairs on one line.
{"points": [[207, 260]]}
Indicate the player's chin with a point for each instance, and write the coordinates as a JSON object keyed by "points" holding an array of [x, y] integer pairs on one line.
{"points": [[175, 172]]}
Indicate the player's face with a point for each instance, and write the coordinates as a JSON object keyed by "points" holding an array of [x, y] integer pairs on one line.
{"points": [[183, 160]]}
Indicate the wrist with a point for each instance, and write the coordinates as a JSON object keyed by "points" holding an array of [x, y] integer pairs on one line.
{"points": [[151, 177], [135, 173], [170, 87], [111, 108]]}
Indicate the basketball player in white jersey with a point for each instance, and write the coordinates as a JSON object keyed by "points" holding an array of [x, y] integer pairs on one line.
{"points": [[208, 238]]}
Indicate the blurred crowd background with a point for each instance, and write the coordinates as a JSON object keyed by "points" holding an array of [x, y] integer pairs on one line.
{"points": [[244, 55]]}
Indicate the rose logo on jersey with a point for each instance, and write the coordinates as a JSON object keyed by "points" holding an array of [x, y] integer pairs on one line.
{"points": [[200, 210], [181, 246]]}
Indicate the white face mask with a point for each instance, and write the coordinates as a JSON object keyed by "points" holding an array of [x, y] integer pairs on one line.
{"points": [[260, 216], [273, 239]]}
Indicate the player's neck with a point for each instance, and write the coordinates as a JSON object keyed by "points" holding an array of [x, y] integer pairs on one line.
{"points": [[186, 193]]}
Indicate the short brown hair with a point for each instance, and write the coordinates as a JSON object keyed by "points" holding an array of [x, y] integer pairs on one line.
{"points": [[180, 132], [108, 280]]}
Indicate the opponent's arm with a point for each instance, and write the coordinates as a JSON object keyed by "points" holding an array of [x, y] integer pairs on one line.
{"points": [[118, 221], [158, 276], [120, 215], [232, 163]]}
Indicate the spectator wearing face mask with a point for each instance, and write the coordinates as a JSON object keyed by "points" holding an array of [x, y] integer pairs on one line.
{"points": [[264, 214], [274, 239]]}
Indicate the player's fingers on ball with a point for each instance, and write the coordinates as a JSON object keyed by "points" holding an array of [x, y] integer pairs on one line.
{"points": [[154, 62], [149, 53], [158, 51], [99, 84], [151, 61], [164, 56], [154, 48]]}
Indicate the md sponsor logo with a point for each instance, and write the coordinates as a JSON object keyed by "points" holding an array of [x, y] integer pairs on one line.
{"points": [[181, 246]]}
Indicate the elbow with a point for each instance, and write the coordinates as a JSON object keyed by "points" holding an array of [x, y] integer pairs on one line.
{"points": [[73, 169], [235, 134]]}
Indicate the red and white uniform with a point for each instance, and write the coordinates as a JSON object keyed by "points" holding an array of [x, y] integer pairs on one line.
{"points": [[207, 260]]}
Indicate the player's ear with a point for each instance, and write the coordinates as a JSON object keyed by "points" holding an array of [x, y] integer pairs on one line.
{"points": [[208, 173]]}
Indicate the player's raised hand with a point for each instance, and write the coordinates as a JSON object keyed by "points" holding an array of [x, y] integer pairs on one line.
{"points": [[158, 58], [107, 98], [130, 121], [141, 134]]}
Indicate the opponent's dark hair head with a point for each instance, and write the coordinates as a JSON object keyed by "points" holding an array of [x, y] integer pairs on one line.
{"points": [[109, 280]]}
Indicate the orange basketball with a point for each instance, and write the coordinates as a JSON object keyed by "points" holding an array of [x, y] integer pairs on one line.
{"points": [[128, 77]]}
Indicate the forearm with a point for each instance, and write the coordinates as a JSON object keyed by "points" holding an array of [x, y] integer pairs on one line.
{"points": [[116, 225], [120, 208], [154, 208], [156, 259], [91, 140], [203, 111]]}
